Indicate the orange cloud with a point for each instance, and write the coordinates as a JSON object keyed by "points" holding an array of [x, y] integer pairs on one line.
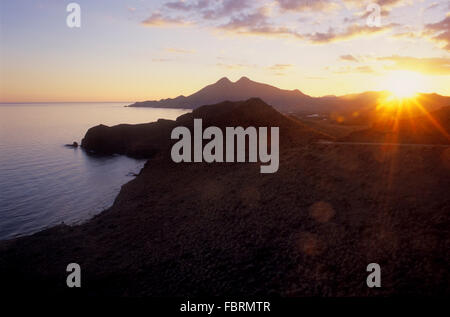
{"points": [[158, 20], [431, 66], [349, 58]]}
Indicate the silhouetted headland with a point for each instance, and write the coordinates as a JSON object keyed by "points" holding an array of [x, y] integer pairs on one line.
{"points": [[145, 140]]}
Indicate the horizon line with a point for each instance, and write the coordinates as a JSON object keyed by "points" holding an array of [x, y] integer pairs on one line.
{"points": [[43, 102], [131, 102]]}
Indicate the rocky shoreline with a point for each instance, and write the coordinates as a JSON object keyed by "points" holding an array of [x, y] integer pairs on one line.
{"points": [[198, 229]]}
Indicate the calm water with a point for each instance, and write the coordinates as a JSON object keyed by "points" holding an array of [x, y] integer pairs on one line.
{"points": [[43, 183]]}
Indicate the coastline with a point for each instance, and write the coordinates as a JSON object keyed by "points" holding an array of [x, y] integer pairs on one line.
{"points": [[205, 245], [200, 229]]}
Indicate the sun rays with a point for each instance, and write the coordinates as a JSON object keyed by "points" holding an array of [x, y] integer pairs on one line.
{"points": [[404, 84], [410, 110]]}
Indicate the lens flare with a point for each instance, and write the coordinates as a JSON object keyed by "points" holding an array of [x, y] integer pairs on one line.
{"points": [[404, 84]]}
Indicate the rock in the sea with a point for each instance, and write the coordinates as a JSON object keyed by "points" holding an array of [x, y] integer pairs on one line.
{"points": [[73, 145]]}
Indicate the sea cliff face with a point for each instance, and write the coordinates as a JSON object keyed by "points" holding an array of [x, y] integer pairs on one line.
{"points": [[196, 229], [140, 141]]}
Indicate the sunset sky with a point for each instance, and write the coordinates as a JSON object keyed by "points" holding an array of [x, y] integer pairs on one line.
{"points": [[140, 50]]}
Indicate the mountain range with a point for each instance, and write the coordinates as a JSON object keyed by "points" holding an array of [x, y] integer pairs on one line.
{"points": [[287, 101], [430, 128]]}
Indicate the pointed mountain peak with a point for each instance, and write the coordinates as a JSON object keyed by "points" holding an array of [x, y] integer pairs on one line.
{"points": [[224, 80], [243, 80], [299, 92]]}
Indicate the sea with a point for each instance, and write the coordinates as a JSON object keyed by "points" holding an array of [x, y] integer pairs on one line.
{"points": [[43, 183]]}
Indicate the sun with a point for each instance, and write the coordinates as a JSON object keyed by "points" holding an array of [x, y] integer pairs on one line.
{"points": [[404, 84]]}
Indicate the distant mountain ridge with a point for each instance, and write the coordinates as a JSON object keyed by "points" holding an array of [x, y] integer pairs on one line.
{"points": [[226, 90], [283, 100], [431, 128]]}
